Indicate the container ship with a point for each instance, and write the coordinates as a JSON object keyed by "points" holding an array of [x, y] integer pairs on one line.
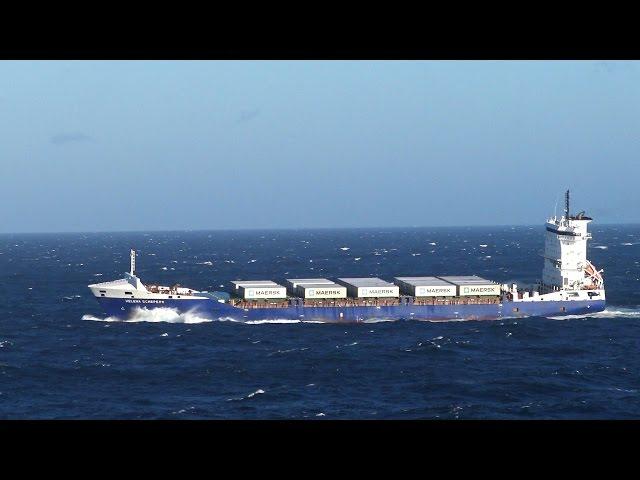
{"points": [[570, 285]]}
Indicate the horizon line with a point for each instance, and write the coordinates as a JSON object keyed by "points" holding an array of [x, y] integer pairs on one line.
{"points": [[236, 229]]}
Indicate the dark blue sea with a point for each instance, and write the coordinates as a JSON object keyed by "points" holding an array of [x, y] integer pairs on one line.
{"points": [[60, 358]]}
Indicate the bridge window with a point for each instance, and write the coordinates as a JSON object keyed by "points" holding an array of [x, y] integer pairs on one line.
{"points": [[128, 293]]}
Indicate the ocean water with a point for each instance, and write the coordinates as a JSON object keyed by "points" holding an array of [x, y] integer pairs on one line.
{"points": [[61, 358]]}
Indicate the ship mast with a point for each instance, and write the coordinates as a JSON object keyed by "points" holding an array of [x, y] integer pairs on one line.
{"points": [[566, 205], [133, 262]]}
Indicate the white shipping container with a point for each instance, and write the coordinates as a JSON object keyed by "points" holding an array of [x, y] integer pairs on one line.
{"points": [[253, 283], [250, 293], [480, 289], [425, 287], [465, 280], [293, 283], [432, 290], [322, 291], [370, 287], [391, 291]]}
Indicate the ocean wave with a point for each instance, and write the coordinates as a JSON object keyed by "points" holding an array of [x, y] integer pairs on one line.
{"points": [[154, 315], [611, 312], [251, 395], [275, 320], [441, 320], [378, 320]]}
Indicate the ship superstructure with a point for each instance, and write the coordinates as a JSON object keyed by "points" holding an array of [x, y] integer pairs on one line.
{"points": [[566, 266], [570, 284]]}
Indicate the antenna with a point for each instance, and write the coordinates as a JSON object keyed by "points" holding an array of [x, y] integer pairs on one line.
{"points": [[566, 205], [133, 262]]}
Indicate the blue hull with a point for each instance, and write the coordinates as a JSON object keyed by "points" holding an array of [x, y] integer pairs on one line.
{"points": [[123, 308]]}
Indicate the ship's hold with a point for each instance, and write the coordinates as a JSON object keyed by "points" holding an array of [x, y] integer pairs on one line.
{"points": [[322, 290], [472, 285], [369, 288], [425, 287], [292, 283]]}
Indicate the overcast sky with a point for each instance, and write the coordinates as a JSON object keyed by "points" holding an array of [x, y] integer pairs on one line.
{"points": [[98, 146]]}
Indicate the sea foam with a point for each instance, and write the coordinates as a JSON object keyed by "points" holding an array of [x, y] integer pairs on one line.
{"points": [[154, 315]]}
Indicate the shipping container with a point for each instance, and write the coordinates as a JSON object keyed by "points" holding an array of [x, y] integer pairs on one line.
{"points": [[370, 288], [257, 292], [322, 291], [480, 289], [466, 279], [252, 283], [426, 287], [472, 285], [292, 283]]}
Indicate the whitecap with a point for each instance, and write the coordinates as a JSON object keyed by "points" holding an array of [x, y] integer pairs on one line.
{"points": [[154, 315], [253, 394], [257, 392], [612, 312], [278, 320]]}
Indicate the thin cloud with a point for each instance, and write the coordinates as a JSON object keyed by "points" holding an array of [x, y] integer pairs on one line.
{"points": [[614, 66], [63, 138], [248, 115]]}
